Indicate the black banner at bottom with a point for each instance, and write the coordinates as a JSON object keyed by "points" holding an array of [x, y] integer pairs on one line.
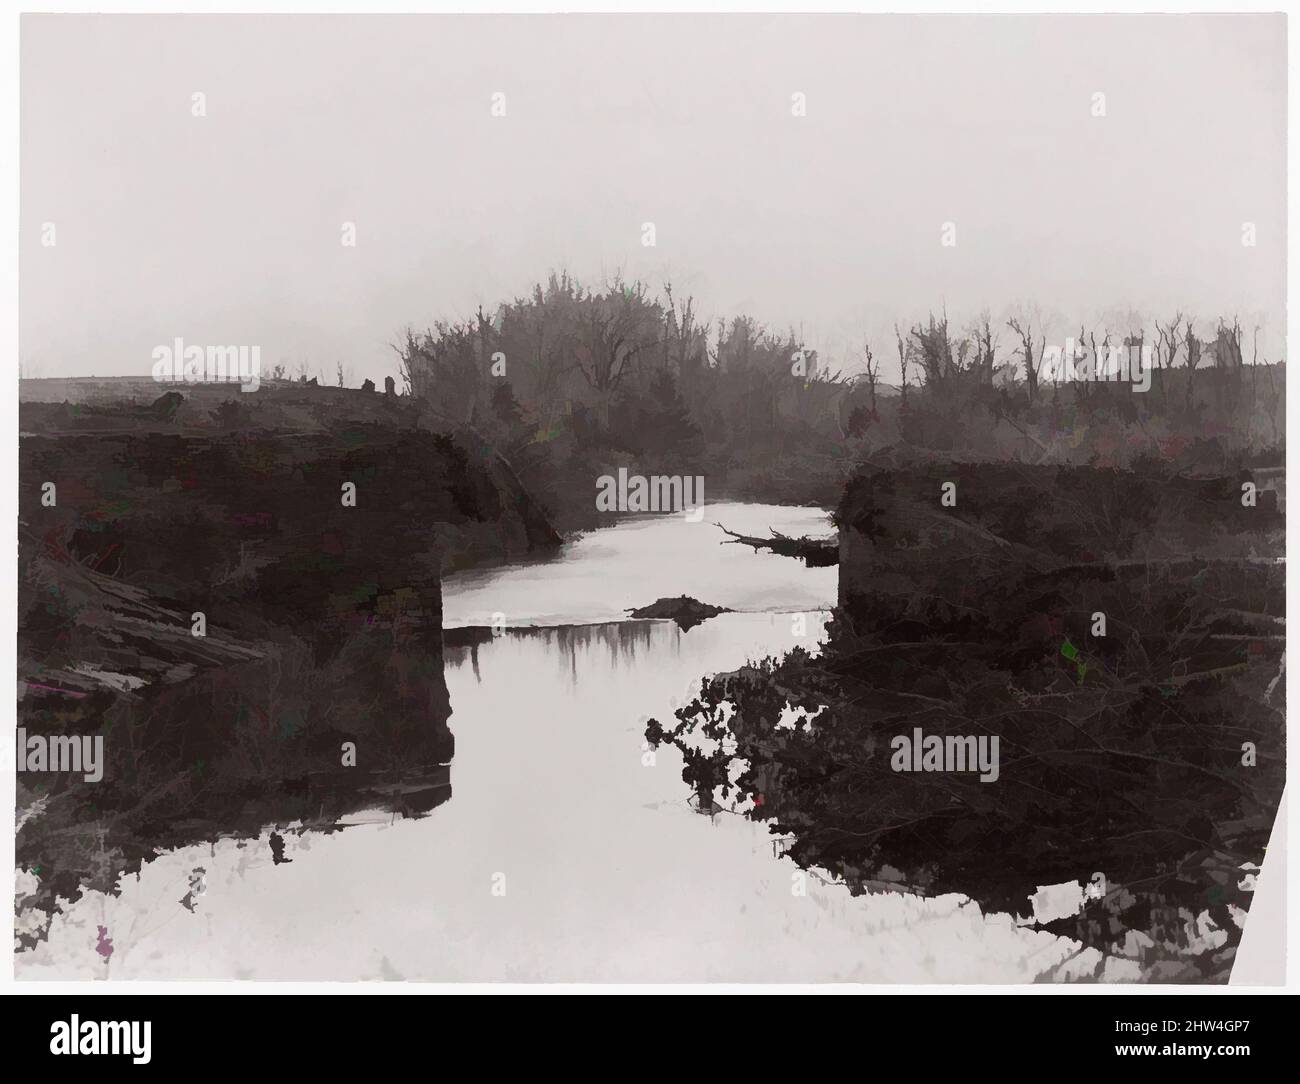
{"points": [[338, 1032]]}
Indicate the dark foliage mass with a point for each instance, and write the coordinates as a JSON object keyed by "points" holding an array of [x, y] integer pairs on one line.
{"points": [[575, 381], [321, 621], [1121, 754]]}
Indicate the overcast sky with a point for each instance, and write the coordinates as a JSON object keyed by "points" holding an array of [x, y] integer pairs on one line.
{"points": [[226, 228]]}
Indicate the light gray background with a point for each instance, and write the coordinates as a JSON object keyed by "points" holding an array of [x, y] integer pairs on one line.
{"points": [[226, 229]]}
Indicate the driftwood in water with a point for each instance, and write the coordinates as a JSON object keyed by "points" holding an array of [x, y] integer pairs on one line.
{"points": [[815, 552], [686, 611]]}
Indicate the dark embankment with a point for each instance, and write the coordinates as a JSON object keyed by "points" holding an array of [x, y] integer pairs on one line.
{"points": [[240, 593], [1146, 747]]}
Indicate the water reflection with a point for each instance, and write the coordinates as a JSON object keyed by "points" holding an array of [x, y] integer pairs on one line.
{"points": [[605, 873], [576, 648], [602, 575]]}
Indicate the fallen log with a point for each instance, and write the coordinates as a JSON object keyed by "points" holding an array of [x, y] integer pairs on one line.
{"points": [[814, 552]]}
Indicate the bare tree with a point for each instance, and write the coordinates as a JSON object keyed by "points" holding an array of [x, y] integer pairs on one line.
{"points": [[1229, 363], [1168, 345], [442, 365], [1227, 346], [986, 346], [1193, 360], [685, 338], [873, 373], [613, 332], [934, 351], [1082, 388], [1254, 373], [1025, 331], [714, 354], [902, 363]]}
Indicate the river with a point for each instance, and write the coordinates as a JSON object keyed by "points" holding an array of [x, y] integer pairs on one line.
{"points": [[566, 853]]}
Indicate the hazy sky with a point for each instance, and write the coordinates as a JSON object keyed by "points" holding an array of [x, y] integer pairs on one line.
{"points": [[226, 229]]}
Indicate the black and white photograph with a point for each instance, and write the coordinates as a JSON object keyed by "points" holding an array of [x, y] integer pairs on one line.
{"points": [[708, 499]]}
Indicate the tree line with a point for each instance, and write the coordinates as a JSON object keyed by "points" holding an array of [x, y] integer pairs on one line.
{"points": [[575, 377]]}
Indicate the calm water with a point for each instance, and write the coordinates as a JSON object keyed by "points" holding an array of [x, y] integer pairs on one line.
{"points": [[607, 873], [607, 572]]}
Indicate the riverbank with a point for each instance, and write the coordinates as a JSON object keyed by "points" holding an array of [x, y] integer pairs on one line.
{"points": [[564, 854], [240, 599], [1117, 635]]}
